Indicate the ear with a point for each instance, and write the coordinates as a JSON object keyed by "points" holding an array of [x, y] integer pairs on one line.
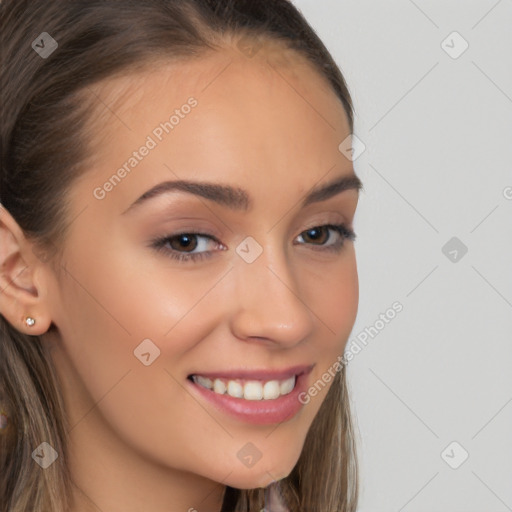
{"points": [[22, 290]]}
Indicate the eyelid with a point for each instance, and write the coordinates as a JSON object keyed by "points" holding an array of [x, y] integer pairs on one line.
{"points": [[159, 243], [341, 229]]}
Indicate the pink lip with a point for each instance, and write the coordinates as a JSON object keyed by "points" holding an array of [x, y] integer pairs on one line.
{"points": [[257, 412], [258, 374]]}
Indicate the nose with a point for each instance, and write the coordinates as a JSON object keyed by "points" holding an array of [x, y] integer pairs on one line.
{"points": [[268, 302]]}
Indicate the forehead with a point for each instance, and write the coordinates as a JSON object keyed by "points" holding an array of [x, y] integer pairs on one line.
{"points": [[218, 80], [256, 121]]}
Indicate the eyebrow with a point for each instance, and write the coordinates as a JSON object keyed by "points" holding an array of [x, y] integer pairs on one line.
{"points": [[238, 199]]}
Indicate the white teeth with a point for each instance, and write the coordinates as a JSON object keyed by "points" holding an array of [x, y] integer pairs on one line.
{"points": [[218, 386], [271, 390], [287, 385], [253, 390], [235, 389], [249, 390], [204, 381]]}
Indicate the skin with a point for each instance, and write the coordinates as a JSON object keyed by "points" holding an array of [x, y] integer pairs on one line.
{"points": [[138, 439]]}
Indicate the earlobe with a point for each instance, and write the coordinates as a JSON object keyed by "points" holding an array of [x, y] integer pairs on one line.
{"points": [[21, 302]]}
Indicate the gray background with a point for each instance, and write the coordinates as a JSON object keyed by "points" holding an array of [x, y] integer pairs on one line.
{"points": [[437, 165]]}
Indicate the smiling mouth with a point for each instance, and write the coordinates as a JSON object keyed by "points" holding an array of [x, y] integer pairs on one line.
{"points": [[248, 389]]}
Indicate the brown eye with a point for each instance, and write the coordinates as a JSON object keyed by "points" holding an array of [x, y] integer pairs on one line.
{"points": [[318, 235], [185, 241], [187, 246]]}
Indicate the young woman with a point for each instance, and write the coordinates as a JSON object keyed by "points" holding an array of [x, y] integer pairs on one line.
{"points": [[177, 270]]}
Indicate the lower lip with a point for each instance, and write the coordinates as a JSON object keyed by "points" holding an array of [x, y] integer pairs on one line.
{"points": [[257, 412]]}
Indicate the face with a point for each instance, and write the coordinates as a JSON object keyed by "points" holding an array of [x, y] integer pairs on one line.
{"points": [[251, 276]]}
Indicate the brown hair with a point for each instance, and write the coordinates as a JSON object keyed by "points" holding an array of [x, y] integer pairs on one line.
{"points": [[44, 148]]}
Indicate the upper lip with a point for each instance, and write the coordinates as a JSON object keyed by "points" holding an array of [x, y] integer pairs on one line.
{"points": [[263, 374]]}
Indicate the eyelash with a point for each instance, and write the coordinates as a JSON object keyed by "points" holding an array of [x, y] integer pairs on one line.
{"points": [[160, 243]]}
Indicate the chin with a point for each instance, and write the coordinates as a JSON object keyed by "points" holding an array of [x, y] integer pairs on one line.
{"points": [[257, 478]]}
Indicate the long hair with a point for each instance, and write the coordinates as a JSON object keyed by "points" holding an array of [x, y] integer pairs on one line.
{"points": [[44, 145]]}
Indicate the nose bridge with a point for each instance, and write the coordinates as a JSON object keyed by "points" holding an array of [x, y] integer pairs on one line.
{"points": [[268, 301]]}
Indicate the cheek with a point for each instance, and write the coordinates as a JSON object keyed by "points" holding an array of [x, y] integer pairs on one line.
{"points": [[334, 298], [106, 312]]}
